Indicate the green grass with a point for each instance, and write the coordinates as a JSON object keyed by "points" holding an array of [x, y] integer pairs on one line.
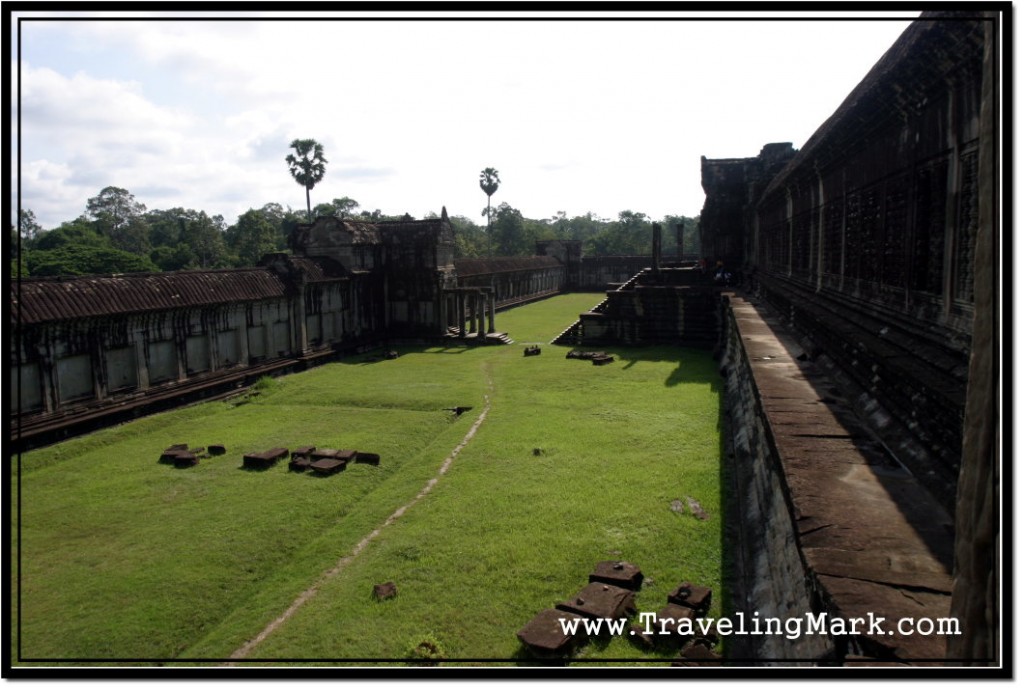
{"points": [[123, 557]]}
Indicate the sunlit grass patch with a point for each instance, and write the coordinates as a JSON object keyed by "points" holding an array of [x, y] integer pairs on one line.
{"points": [[124, 557]]}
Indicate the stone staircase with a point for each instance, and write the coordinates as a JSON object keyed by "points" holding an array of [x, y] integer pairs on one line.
{"points": [[572, 335], [495, 338]]}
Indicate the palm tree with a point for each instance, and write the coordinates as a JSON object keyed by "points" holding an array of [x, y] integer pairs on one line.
{"points": [[489, 184], [309, 167]]}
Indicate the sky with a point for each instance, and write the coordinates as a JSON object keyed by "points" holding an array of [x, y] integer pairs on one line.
{"points": [[588, 113]]}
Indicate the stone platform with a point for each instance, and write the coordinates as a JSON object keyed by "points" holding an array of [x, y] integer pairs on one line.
{"points": [[871, 540]]}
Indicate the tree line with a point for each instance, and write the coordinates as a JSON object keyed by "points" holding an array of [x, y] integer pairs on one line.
{"points": [[118, 234]]}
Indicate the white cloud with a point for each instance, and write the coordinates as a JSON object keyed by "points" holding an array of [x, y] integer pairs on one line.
{"points": [[591, 116]]}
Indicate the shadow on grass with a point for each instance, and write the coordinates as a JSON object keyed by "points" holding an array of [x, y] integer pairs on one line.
{"points": [[378, 356], [693, 365]]}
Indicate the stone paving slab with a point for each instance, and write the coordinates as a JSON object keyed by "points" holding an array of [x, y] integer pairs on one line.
{"points": [[872, 538]]}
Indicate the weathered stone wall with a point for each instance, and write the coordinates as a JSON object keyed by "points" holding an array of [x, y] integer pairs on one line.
{"points": [[770, 577], [829, 523], [514, 280], [865, 240], [597, 273]]}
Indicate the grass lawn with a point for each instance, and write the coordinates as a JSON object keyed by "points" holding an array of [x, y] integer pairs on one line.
{"points": [[125, 558]]}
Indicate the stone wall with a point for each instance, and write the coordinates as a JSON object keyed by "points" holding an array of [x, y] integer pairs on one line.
{"points": [[828, 523], [864, 240]]}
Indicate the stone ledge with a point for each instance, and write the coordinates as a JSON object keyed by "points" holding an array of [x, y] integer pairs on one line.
{"points": [[871, 538]]}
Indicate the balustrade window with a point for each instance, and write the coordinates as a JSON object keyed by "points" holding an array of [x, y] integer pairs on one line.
{"points": [[967, 227], [928, 235], [894, 234]]}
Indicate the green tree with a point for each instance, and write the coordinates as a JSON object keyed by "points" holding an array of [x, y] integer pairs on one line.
{"points": [[629, 235], [307, 165], [339, 208], [489, 182], [285, 219], [29, 227], [470, 239], [84, 259], [78, 232], [119, 217], [253, 236], [174, 258], [507, 231], [205, 236]]}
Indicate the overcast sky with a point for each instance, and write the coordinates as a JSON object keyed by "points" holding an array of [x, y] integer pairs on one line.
{"points": [[576, 115]]}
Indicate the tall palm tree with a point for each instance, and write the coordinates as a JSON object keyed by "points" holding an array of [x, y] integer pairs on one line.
{"points": [[308, 167], [489, 184]]}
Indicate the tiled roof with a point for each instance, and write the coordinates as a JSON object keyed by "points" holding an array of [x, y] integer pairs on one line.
{"points": [[37, 300], [495, 265]]}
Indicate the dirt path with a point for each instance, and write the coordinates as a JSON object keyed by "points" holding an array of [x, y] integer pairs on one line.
{"points": [[310, 592]]}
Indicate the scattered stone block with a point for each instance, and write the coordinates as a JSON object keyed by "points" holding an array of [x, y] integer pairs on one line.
{"points": [[531, 350], [367, 457], [300, 459], [391, 355], [603, 360], [327, 466], [696, 509], [668, 622], [185, 459], [385, 591], [302, 451], [171, 453], [696, 654], [544, 634], [696, 597], [618, 573], [299, 464], [216, 449], [638, 635], [263, 459], [600, 601]]}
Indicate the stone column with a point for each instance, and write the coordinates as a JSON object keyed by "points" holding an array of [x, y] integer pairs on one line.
{"points": [[656, 247], [481, 308], [490, 311], [141, 366], [472, 312], [442, 312], [48, 375], [460, 299]]}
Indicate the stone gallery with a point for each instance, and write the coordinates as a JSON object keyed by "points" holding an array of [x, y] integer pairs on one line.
{"points": [[856, 334]]}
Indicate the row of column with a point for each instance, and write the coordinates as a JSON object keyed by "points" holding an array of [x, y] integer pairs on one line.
{"points": [[475, 305]]}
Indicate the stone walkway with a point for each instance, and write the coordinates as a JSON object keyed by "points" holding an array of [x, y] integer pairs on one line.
{"points": [[872, 539]]}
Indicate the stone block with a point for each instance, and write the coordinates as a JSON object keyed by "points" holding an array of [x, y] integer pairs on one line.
{"points": [[302, 451], [327, 466], [263, 459], [544, 633], [600, 601], [696, 597], [385, 591], [618, 573], [185, 460], [667, 622], [299, 463], [696, 654], [368, 458]]}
